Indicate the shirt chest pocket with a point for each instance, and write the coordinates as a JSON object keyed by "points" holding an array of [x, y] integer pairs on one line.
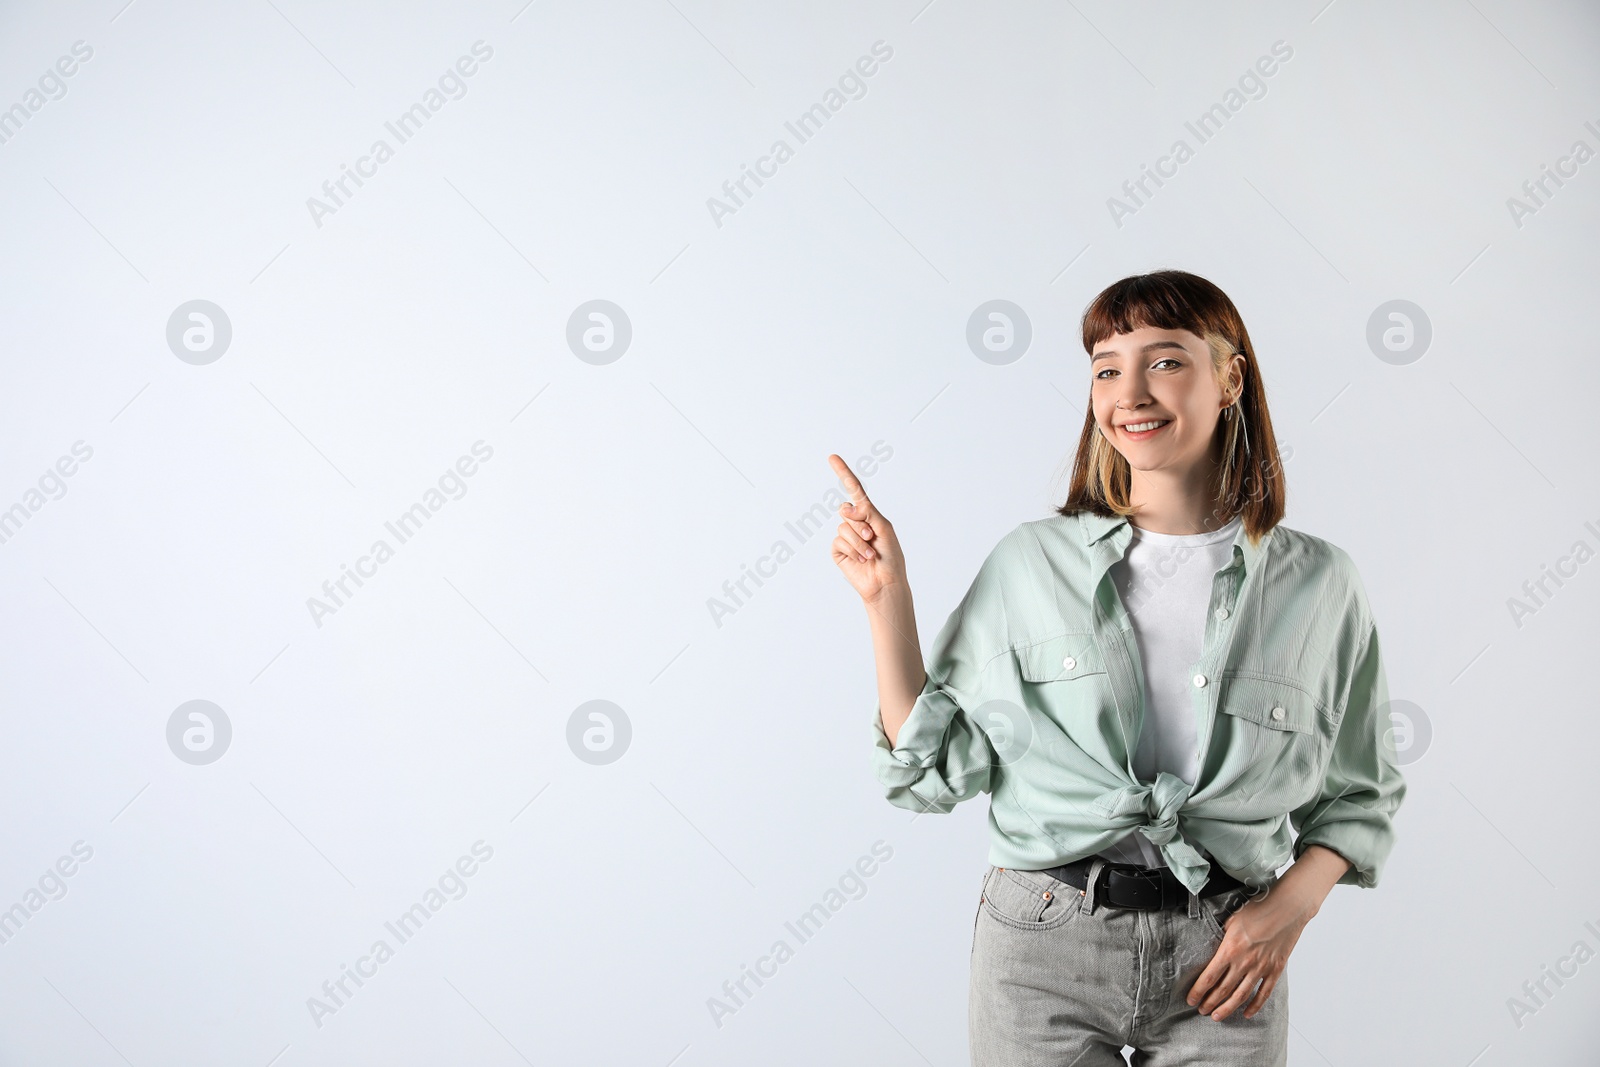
{"points": [[1275, 728], [1064, 682], [1064, 657]]}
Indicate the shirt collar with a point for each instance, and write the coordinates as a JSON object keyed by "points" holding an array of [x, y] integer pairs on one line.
{"points": [[1096, 527]]}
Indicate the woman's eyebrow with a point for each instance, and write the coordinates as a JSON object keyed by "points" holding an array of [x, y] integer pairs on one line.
{"points": [[1146, 350]]}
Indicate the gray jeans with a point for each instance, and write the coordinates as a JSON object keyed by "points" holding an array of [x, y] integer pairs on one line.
{"points": [[1060, 979]]}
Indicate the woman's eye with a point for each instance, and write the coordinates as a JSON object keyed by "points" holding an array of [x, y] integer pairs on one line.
{"points": [[1170, 360]]}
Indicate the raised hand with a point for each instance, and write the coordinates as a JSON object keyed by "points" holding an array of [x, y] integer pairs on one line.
{"points": [[866, 549]]}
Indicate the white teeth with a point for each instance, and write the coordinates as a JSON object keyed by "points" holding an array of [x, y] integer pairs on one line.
{"points": [[1140, 427]]}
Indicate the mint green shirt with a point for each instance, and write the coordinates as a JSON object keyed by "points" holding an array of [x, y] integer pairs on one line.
{"points": [[1034, 696]]}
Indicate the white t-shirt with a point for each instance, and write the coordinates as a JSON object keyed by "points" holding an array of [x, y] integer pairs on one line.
{"points": [[1165, 584]]}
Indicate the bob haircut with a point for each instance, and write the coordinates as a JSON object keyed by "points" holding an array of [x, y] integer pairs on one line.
{"points": [[1251, 474]]}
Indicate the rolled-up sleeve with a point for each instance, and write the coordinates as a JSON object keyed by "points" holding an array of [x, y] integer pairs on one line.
{"points": [[942, 755], [1354, 813]]}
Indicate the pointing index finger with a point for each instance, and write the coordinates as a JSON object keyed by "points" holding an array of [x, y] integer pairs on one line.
{"points": [[852, 484]]}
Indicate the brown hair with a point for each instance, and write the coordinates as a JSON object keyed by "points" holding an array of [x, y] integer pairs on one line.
{"points": [[1251, 475]]}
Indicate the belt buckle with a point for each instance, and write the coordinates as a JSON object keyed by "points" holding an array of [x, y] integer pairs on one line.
{"points": [[1141, 886]]}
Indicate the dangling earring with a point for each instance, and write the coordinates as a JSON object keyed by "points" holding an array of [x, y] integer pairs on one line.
{"points": [[1235, 427]]}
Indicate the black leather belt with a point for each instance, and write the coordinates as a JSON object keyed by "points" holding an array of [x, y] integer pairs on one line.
{"points": [[1127, 886]]}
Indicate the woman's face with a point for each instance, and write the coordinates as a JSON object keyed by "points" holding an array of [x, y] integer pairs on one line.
{"points": [[1162, 377]]}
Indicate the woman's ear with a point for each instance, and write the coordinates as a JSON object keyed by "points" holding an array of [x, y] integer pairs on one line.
{"points": [[1236, 378]]}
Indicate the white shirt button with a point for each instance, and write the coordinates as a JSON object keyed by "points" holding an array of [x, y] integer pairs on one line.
{"points": [[1278, 713], [1199, 681], [1069, 663], [1222, 613]]}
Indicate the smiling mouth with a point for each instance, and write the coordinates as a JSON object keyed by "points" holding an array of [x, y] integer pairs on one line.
{"points": [[1141, 430]]}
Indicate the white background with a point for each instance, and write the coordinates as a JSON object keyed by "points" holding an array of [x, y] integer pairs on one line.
{"points": [[826, 314]]}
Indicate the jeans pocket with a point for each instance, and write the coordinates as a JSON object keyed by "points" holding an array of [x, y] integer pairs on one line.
{"points": [[1028, 900], [1216, 909], [978, 911]]}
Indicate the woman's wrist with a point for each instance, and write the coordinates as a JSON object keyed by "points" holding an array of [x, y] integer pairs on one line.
{"points": [[893, 593], [1312, 877]]}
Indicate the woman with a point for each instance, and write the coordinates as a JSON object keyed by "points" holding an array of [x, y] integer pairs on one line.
{"points": [[1154, 685]]}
